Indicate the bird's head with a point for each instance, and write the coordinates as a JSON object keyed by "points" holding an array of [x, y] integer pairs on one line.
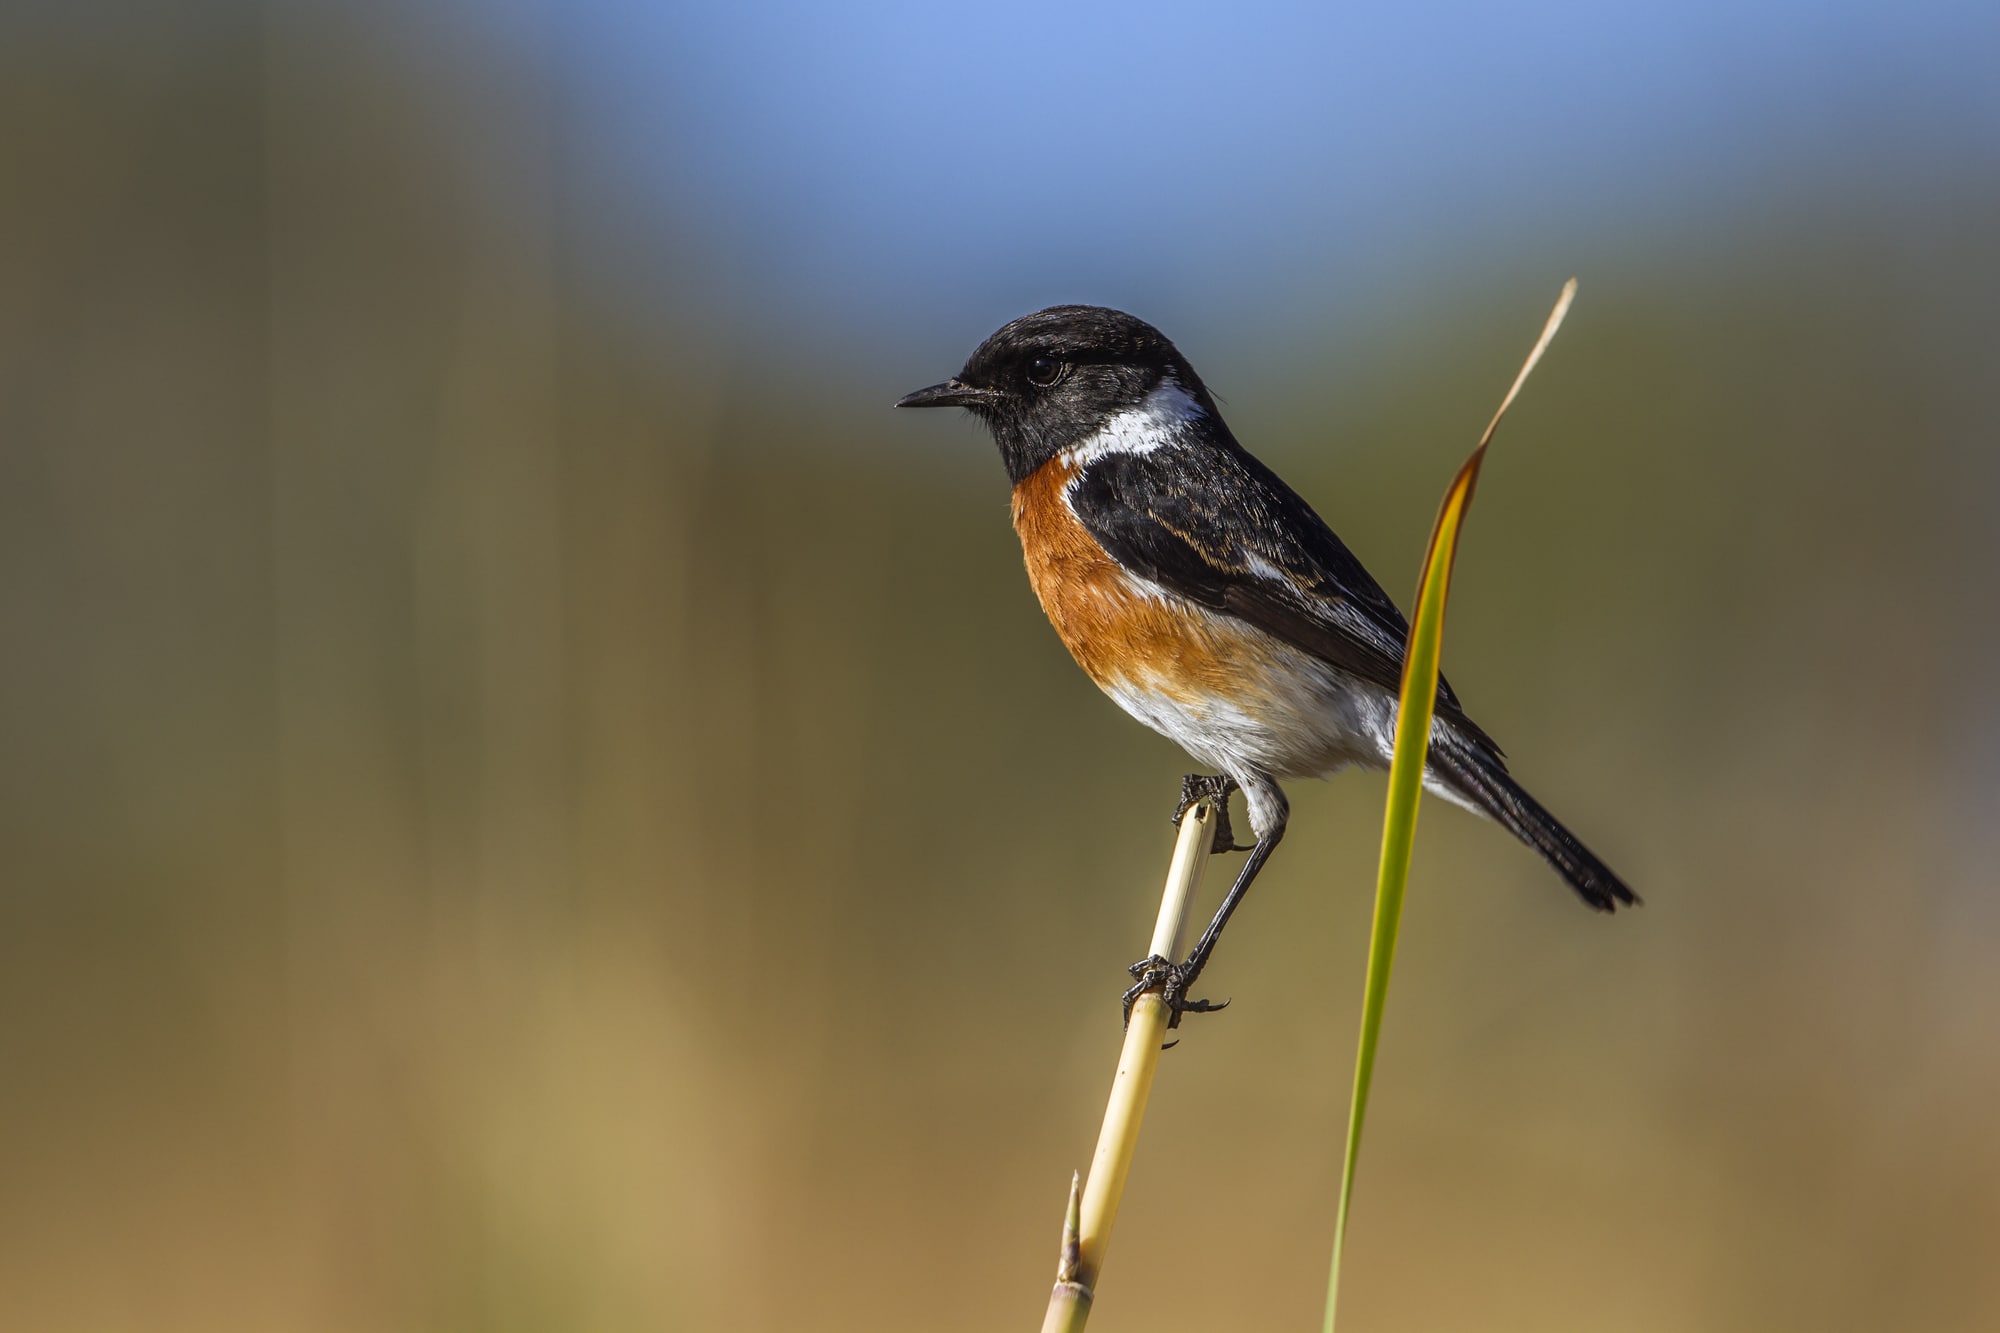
{"points": [[1051, 381]]}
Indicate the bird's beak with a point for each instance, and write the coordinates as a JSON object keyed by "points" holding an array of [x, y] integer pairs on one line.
{"points": [[949, 394]]}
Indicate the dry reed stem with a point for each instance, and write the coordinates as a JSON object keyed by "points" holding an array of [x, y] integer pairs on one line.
{"points": [[1092, 1217]]}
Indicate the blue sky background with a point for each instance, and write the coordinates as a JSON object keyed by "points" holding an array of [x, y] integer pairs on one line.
{"points": [[902, 162]]}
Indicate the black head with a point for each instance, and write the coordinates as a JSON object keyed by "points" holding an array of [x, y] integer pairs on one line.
{"points": [[1052, 379]]}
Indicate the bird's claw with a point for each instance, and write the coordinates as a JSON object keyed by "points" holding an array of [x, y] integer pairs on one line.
{"points": [[1172, 981], [1214, 787]]}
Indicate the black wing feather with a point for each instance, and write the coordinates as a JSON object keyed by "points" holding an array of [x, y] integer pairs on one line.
{"points": [[1217, 527]]}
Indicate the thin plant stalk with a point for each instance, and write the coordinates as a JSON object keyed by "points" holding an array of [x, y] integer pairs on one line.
{"points": [[1399, 824], [1093, 1209]]}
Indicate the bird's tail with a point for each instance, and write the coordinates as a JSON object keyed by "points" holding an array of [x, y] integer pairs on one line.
{"points": [[1480, 778]]}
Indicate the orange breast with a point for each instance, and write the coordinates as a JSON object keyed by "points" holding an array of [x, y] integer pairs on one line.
{"points": [[1118, 630]]}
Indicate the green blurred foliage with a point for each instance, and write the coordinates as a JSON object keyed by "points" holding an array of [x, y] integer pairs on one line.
{"points": [[516, 819]]}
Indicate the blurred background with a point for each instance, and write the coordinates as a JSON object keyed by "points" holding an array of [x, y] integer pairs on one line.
{"points": [[530, 799]]}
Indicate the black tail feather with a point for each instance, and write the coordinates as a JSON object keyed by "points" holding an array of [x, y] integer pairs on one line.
{"points": [[1483, 780]]}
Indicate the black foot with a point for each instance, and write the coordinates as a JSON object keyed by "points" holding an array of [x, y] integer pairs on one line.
{"points": [[1172, 981], [1204, 786]]}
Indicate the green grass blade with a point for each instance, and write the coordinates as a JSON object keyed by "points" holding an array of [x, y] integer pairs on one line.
{"points": [[1399, 830], [1406, 771]]}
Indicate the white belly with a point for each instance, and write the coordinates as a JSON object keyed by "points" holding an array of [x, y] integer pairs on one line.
{"points": [[1299, 718]]}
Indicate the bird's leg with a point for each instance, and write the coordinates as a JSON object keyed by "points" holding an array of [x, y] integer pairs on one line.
{"points": [[1153, 970], [1183, 975], [1196, 787], [1173, 979]]}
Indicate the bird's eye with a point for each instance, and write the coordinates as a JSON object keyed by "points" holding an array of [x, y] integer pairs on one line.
{"points": [[1045, 371]]}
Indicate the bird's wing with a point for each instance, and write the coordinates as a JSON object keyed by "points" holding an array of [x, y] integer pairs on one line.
{"points": [[1222, 530]]}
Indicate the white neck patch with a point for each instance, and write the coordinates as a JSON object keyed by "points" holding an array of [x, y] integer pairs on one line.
{"points": [[1154, 423]]}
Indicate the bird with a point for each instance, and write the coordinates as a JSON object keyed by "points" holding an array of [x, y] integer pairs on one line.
{"points": [[1209, 600]]}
